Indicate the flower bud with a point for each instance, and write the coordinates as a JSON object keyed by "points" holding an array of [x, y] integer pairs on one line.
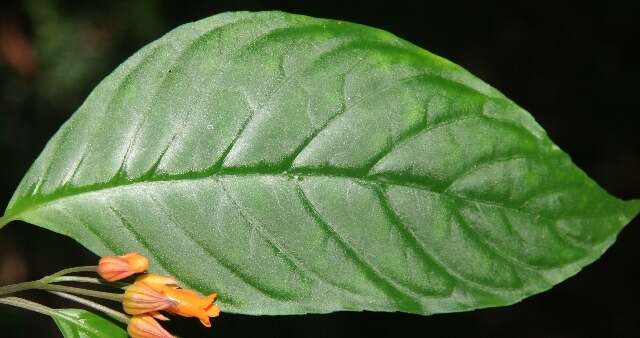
{"points": [[114, 268], [140, 298], [145, 326]]}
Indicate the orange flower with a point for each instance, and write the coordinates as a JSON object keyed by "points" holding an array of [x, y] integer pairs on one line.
{"points": [[141, 297], [157, 281], [188, 303], [182, 302], [146, 327], [114, 268]]}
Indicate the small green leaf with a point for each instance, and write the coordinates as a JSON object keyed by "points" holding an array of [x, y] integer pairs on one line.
{"points": [[75, 323], [297, 165]]}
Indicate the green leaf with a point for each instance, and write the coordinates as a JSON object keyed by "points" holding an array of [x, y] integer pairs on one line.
{"points": [[297, 165], [75, 323]]}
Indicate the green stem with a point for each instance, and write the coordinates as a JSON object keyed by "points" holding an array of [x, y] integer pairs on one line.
{"points": [[90, 280], [121, 317], [116, 297], [77, 279], [44, 284], [5, 290], [89, 268], [29, 305]]}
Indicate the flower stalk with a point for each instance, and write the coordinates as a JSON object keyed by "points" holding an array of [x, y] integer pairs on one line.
{"points": [[13, 288], [116, 297], [88, 280], [90, 268], [28, 305], [119, 316]]}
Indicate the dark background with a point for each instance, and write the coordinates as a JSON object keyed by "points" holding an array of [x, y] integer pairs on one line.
{"points": [[572, 66]]}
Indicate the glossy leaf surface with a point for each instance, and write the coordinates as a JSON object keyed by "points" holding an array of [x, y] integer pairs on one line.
{"points": [[297, 165], [75, 323]]}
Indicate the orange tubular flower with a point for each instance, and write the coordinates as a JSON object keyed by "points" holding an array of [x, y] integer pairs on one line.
{"points": [[157, 281], [188, 303], [115, 268], [183, 302], [146, 327], [141, 297]]}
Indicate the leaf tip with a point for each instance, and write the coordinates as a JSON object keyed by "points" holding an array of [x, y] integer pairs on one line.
{"points": [[4, 220], [632, 209]]}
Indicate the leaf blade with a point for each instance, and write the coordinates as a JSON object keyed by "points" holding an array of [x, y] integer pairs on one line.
{"points": [[296, 159], [74, 323]]}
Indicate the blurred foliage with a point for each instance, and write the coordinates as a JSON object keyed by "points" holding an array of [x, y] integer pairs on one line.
{"points": [[75, 44]]}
